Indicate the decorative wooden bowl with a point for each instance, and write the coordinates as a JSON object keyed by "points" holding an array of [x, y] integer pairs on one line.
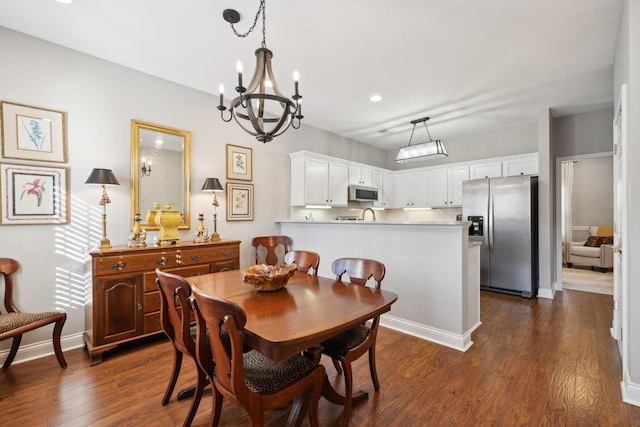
{"points": [[269, 277]]}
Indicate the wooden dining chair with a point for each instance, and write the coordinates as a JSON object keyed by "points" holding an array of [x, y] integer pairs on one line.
{"points": [[350, 345], [254, 381], [267, 248], [175, 317], [14, 322], [305, 260]]}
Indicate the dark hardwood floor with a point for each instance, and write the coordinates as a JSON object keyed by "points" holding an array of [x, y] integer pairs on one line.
{"points": [[533, 363]]}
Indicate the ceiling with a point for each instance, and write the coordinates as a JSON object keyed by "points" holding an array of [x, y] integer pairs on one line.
{"points": [[472, 66]]}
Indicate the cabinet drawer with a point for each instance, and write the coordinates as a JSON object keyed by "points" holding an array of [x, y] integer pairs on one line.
{"points": [[151, 302], [232, 264], [134, 262], [152, 323], [207, 255], [196, 270]]}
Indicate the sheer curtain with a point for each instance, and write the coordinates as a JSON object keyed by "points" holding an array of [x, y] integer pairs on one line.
{"points": [[567, 194]]}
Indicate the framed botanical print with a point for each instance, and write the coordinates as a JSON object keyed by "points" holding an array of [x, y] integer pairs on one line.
{"points": [[33, 195], [32, 133], [239, 202], [239, 163]]}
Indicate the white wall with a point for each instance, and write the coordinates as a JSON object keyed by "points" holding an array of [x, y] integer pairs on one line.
{"points": [[101, 99]]}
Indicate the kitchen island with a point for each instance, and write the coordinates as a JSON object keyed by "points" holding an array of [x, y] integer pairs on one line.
{"points": [[432, 267]]}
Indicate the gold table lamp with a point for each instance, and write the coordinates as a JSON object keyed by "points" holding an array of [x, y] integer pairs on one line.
{"points": [[213, 185], [103, 177]]}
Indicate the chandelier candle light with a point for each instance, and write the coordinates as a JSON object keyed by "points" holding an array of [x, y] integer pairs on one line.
{"points": [[254, 109], [213, 185], [431, 149], [103, 177]]}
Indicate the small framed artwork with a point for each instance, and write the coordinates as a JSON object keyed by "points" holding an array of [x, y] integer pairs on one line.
{"points": [[32, 133], [239, 163], [239, 202], [33, 195]]}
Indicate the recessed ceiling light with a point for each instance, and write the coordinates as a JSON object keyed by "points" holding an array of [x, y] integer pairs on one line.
{"points": [[375, 98], [65, 1]]}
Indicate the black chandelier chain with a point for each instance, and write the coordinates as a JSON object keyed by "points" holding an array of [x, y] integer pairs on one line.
{"points": [[261, 10]]}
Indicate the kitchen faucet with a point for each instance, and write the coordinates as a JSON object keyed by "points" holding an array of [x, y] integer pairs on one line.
{"points": [[372, 213]]}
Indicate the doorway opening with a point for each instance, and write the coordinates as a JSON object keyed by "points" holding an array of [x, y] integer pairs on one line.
{"points": [[584, 204]]}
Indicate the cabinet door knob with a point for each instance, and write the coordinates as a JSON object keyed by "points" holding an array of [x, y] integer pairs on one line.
{"points": [[139, 307], [162, 261], [117, 266]]}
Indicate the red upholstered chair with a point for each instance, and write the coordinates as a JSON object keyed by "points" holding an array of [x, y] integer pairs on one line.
{"points": [[175, 317], [350, 345], [305, 260], [272, 245], [14, 323], [254, 381]]}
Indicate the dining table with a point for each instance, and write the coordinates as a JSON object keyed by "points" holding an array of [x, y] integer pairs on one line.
{"points": [[298, 317]]}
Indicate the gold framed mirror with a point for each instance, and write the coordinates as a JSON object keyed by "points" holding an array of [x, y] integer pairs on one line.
{"points": [[160, 171]]}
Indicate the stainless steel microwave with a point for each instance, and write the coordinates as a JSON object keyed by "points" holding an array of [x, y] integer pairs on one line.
{"points": [[358, 193]]}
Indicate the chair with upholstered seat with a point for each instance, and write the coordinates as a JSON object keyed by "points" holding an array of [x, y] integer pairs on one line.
{"points": [[271, 249], [350, 345], [305, 260], [175, 317], [14, 323], [254, 381]]}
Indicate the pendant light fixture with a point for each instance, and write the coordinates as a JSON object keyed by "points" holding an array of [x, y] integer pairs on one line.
{"points": [[431, 149], [256, 106]]}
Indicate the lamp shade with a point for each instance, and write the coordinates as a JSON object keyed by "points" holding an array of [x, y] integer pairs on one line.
{"points": [[424, 151], [212, 184], [102, 176]]}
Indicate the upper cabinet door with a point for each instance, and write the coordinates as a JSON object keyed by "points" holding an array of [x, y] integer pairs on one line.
{"points": [[338, 179], [439, 188], [491, 169], [457, 175], [360, 176], [316, 181], [522, 166]]}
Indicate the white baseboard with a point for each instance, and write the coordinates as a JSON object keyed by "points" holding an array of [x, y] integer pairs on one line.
{"points": [[546, 293], [43, 348], [630, 391], [438, 336]]}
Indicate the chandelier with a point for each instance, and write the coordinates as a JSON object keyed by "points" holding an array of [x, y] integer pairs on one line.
{"points": [[255, 107], [431, 149]]}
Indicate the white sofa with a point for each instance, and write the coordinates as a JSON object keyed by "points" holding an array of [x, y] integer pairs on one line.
{"points": [[598, 256]]}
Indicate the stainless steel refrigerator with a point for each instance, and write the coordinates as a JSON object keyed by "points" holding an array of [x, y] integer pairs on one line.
{"points": [[504, 218]]}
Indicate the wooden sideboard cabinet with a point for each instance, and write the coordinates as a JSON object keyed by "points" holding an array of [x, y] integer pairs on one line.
{"points": [[124, 304]]}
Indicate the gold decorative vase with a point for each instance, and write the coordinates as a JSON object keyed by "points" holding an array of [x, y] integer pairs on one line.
{"points": [[168, 221]]}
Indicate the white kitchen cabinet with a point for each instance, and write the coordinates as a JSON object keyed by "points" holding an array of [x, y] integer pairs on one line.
{"points": [[410, 190], [525, 165], [318, 181], [360, 176], [383, 181], [445, 186], [491, 169]]}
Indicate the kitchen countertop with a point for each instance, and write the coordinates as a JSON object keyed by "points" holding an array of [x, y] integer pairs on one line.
{"points": [[370, 222]]}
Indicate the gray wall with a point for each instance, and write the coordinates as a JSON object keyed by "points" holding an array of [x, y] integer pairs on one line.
{"points": [[584, 133], [592, 202], [627, 71]]}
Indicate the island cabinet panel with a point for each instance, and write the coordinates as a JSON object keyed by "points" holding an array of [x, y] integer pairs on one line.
{"points": [[124, 303]]}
